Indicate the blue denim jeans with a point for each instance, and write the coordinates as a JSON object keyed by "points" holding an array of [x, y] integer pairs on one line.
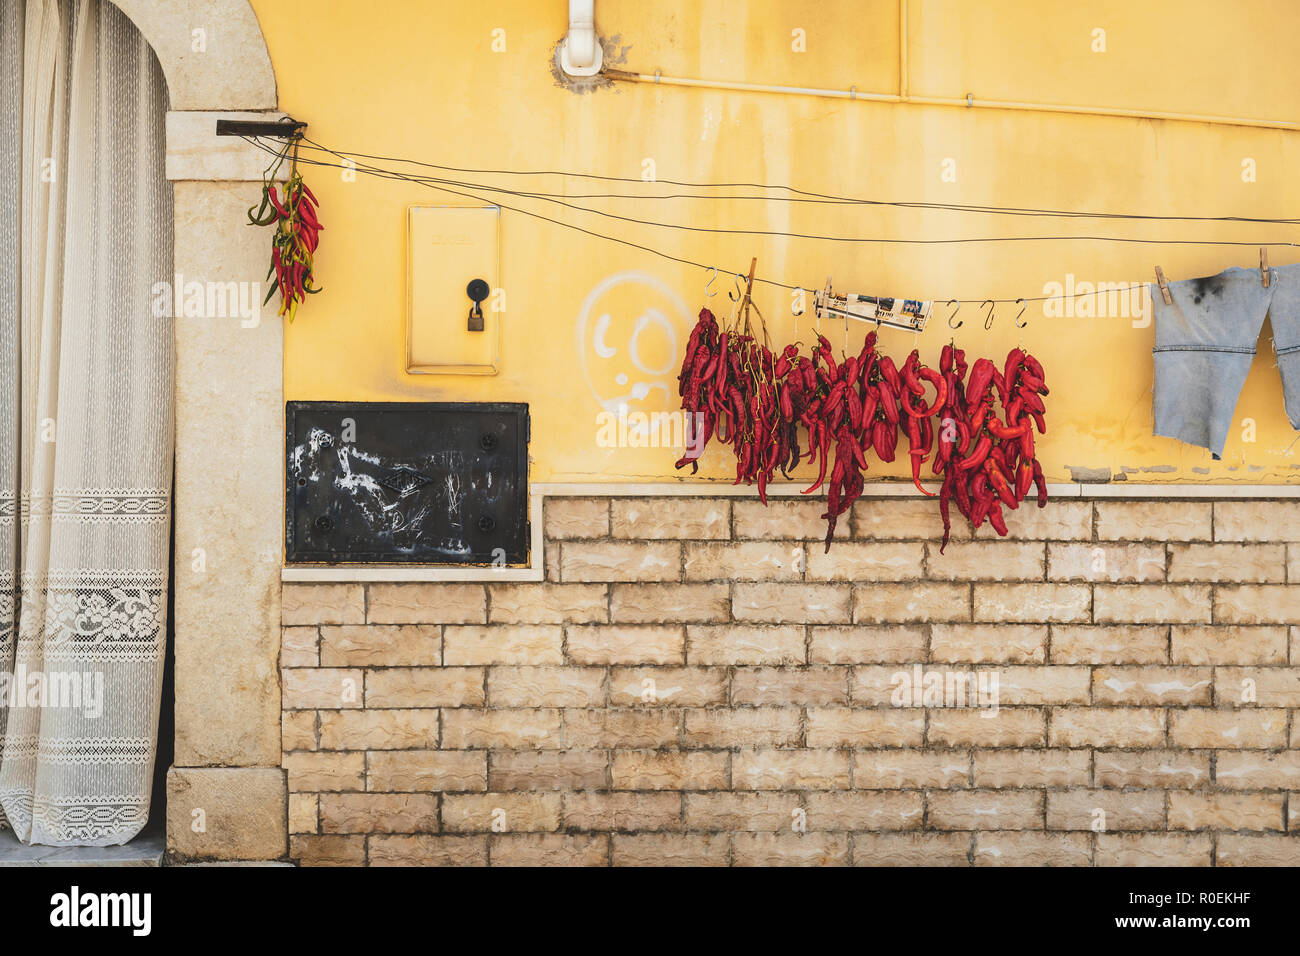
{"points": [[1284, 313], [1205, 342]]}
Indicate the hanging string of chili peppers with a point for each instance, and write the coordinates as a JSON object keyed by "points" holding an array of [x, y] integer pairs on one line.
{"points": [[736, 389], [987, 462], [297, 231], [731, 378]]}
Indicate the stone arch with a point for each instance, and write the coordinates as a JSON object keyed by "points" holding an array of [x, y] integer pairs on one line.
{"points": [[232, 72]]}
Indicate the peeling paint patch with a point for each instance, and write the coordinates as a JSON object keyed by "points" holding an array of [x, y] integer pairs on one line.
{"points": [[1255, 468], [1129, 469], [1163, 469], [1084, 475], [1201, 471], [1120, 478]]}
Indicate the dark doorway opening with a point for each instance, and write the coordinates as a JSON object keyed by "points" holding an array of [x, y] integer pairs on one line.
{"points": [[166, 752]]}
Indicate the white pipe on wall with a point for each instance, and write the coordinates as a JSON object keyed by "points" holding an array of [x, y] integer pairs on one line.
{"points": [[580, 53], [968, 101]]}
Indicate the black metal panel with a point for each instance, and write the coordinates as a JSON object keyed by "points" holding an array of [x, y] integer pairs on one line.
{"points": [[282, 128], [425, 482]]}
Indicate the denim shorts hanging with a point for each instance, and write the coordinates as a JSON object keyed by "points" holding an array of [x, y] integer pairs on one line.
{"points": [[1205, 342]]}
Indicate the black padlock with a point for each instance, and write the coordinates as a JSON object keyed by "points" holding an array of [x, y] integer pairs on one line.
{"points": [[477, 290]]}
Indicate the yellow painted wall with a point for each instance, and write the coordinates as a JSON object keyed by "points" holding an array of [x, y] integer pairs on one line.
{"points": [[415, 78]]}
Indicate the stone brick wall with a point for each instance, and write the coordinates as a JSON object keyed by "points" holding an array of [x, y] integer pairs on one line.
{"points": [[697, 683]]}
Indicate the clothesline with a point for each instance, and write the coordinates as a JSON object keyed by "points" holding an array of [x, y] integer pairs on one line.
{"points": [[814, 197], [350, 162]]}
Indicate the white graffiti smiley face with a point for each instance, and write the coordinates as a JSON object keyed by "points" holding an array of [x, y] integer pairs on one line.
{"points": [[628, 331]]}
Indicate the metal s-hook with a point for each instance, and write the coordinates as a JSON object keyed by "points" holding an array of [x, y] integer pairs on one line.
{"points": [[739, 293], [709, 285], [1023, 307], [988, 319], [954, 314]]}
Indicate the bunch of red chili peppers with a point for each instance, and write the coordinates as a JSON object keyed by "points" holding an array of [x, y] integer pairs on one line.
{"points": [[989, 462], [296, 236], [732, 389], [738, 390]]}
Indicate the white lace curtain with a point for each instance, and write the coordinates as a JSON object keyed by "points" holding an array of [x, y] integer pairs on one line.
{"points": [[85, 420]]}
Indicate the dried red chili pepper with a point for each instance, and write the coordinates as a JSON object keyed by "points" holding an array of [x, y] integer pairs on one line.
{"points": [[918, 452], [889, 372], [1024, 478], [977, 456], [888, 401], [996, 519], [998, 430], [981, 376], [914, 373], [999, 482]]}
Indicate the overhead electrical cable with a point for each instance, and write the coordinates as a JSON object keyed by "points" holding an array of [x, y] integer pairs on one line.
{"points": [[810, 196], [348, 161], [778, 233], [387, 174]]}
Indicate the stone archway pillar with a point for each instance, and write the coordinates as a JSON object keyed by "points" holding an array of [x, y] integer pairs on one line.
{"points": [[226, 792]]}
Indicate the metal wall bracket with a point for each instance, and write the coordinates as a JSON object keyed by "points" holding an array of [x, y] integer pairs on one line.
{"points": [[285, 128]]}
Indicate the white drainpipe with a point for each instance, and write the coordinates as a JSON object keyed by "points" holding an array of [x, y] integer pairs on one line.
{"points": [[580, 53]]}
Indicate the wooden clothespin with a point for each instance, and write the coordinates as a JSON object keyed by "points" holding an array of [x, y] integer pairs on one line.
{"points": [[1164, 286], [1263, 264], [749, 283]]}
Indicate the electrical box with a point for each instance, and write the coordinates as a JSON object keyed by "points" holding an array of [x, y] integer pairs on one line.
{"points": [[422, 482], [453, 252]]}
